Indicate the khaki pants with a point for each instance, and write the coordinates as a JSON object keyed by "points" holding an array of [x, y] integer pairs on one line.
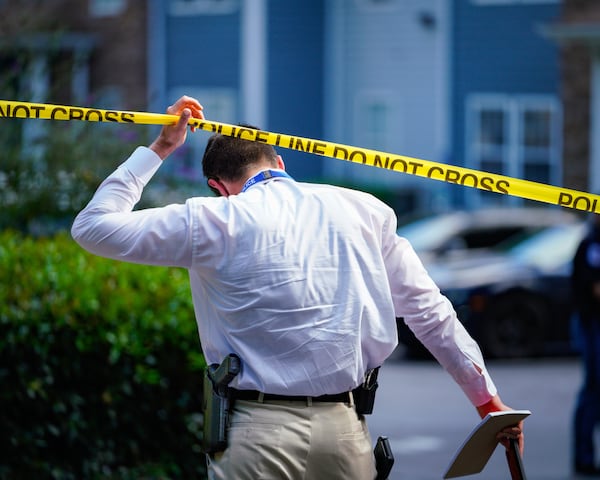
{"points": [[280, 440]]}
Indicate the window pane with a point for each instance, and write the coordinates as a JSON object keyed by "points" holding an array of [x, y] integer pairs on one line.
{"points": [[536, 155], [60, 68], [536, 128], [376, 118], [492, 127], [492, 166], [491, 140], [537, 173], [536, 144], [376, 125]]}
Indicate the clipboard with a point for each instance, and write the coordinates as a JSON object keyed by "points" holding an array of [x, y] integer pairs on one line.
{"points": [[478, 447]]}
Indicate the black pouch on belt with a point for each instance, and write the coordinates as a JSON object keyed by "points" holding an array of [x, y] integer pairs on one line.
{"points": [[364, 394], [384, 458]]}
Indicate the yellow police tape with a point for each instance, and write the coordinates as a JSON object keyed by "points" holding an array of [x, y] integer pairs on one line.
{"points": [[413, 166]]}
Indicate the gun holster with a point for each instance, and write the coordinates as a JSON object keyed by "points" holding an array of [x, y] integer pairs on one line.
{"points": [[217, 403], [364, 401], [364, 394]]}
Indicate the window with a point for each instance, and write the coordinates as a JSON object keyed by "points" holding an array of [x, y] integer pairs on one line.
{"points": [[517, 136], [220, 105], [511, 2], [376, 120], [375, 125], [536, 142], [39, 76], [373, 120], [203, 7], [492, 139], [107, 8]]}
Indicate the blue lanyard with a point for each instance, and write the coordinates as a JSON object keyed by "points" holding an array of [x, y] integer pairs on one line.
{"points": [[262, 176]]}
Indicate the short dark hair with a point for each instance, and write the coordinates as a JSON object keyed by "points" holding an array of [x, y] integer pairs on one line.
{"points": [[228, 158]]}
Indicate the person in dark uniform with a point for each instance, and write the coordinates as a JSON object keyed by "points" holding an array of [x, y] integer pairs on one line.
{"points": [[586, 299]]}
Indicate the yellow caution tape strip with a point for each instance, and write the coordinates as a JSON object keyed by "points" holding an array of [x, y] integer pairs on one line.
{"points": [[413, 166]]}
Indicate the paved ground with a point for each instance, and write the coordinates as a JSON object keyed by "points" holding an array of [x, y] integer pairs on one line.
{"points": [[427, 417]]}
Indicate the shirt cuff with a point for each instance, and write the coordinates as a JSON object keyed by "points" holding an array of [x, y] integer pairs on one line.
{"points": [[480, 390], [143, 163]]}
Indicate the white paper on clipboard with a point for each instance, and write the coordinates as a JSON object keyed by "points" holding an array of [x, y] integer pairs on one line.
{"points": [[477, 449]]}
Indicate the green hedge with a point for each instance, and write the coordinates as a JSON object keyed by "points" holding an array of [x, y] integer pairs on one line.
{"points": [[100, 366]]}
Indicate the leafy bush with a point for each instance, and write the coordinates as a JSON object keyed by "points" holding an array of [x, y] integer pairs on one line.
{"points": [[47, 180], [100, 366]]}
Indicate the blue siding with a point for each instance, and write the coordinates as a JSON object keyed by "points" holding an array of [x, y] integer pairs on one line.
{"points": [[203, 50], [295, 77], [497, 49]]}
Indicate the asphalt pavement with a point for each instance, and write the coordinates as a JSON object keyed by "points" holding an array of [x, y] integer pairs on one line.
{"points": [[427, 417]]}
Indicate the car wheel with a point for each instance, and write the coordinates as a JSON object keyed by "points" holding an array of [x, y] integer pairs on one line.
{"points": [[514, 327]]}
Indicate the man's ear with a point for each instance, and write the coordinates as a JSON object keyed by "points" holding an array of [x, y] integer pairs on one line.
{"points": [[218, 186], [280, 164]]}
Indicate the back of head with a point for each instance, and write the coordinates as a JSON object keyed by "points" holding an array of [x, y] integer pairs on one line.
{"points": [[229, 158]]}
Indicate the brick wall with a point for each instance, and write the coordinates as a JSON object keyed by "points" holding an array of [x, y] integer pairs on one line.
{"points": [[118, 59], [576, 70]]}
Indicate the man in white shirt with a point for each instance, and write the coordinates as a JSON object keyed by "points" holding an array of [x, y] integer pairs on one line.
{"points": [[303, 282]]}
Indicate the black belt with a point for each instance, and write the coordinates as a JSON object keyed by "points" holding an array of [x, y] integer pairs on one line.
{"points": [[255, 395]]}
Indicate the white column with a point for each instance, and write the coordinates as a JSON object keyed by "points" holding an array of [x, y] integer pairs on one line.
{"points": [[253, 63]]}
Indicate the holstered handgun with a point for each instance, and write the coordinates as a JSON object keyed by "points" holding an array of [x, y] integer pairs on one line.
{"points": [[216, 403], [364, 394]]}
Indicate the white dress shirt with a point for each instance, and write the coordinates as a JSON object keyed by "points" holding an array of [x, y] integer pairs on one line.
{"points": [[303, 281]]}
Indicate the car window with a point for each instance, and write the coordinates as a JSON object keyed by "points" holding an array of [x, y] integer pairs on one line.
{"points": [[550, 249], [489, 237], [462, 230], [430, 233]]}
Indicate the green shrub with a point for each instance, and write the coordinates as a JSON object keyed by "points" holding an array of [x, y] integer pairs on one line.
{"points": [[100, 366], [44, 183]]}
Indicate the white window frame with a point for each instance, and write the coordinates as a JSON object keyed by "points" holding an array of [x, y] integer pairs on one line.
{"points": [[513, 162], [203, 7]]}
